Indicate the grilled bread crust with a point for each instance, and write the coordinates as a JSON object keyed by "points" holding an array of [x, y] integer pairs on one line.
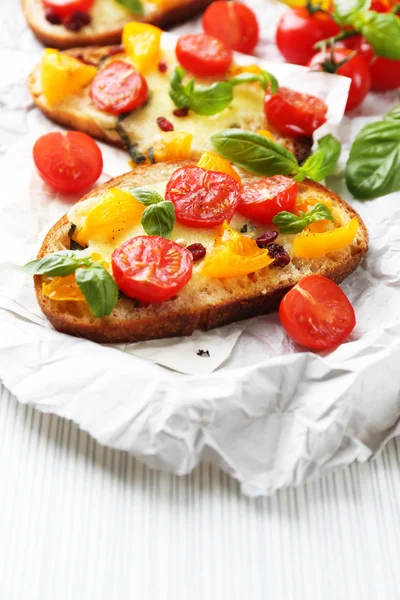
{"points": [[203, 303]]}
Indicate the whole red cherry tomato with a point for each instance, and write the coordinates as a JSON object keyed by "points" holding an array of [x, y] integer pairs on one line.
{"points": [[293, 113], [202, 198], [64, 8], [203, 55], [316, 314], [118, 88], [385, 72], [298, 31], [151, 268], [356, 68], [261, 200], [232, 22], [68, 162]]}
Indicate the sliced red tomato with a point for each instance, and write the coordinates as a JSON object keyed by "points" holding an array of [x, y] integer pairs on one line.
{"points": [[385, 72], [151, 268], [356, 68], [203, 55], [118, 88], [232, 22], [64, 8], [202, 198], [298, 31], [293, 113], [381, 6], [316, 314], [261, 200], [68, 162]]}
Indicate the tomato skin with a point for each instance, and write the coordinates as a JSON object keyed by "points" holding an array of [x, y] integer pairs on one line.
{"points": [[298, 32], [234, 23], [265, 198], [293, 113], [203, 55], [316, 314], [357, 69], [68, 162], [385, 72], [202, 198], [65, 8], [151, 268], [118, 88]]}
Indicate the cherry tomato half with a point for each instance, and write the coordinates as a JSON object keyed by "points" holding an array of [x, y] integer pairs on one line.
{"points": [[385, 72], [293, 113], [118, 88], [68, 162], [151, 268], [261, 200], [232, 22], [203, 55], [356, 68], [202, 198], [381, 6], [316, 314], [64, 8], [298, 32]]}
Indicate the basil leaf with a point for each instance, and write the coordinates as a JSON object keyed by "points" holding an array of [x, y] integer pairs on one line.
{"points": [[321, 163], [266, 79], [346, 10], [146, 196], [99, 289], [211, 100], [159, 219], [382, 31], [254, 152], [291, 223], [394, 114], [59, 264], [134, 5], [177, 92], [373, 167]]}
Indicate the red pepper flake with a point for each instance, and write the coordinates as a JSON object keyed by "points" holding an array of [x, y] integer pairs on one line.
{"points": [[164, 124], [162, 66], [198, 251], [181, 112]]}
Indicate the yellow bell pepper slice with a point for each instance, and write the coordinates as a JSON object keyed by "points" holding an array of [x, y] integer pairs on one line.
{"points": [[266, 134], [324, 4], [62, 75], [63, 289], [237, 69], [234, 255], [117, 212], [313, 245], [213, 162], [173, 145], [142, 44]]}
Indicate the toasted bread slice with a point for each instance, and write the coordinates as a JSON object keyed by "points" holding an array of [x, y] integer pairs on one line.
{"points": [[108, 19], [204, 302], [138, 131]]}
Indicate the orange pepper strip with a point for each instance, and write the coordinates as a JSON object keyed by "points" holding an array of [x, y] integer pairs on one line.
{"points": [[313, 245]]}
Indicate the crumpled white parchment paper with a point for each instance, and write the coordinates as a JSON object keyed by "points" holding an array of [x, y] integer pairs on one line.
{"points": [[268, 412]]}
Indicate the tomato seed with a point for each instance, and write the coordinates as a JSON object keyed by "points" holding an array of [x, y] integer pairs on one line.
{"points": [[164, 124], [198, 251]]}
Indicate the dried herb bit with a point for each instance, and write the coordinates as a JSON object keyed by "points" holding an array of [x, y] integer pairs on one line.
{"points": [[132, 147], [73, 244], [203, 353], [150, 155], [244, 228]]}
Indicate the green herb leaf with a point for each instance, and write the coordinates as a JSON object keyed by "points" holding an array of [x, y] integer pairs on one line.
{"points": [[373, 167], [382, 31], [59, 264], [159, 219], [134, 5], [99, 289], [254, 152], [394, 114], [321, 163], [291, 223], [346, 10], [266, 79], [211, 100], [146, 196], [177, 91]]}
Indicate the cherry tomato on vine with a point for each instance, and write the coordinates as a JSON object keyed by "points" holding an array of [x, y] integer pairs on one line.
{"points": [[316, 314], [203, 55], [298, 31], [293, 113], [232, 22], [68, 162], [356, 68], [385, 72], [64, 8]]}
